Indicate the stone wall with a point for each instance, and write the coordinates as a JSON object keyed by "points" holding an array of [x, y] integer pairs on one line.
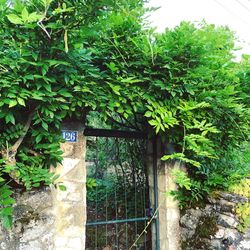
{"points": [[53, 219], [215, 226], [34, 219]]}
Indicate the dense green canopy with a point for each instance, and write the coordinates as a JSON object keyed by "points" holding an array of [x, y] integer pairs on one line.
{"points": [[61, 59]]}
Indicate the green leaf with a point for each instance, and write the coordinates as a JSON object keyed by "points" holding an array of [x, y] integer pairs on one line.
{"points": [[7, 222], [20, 101], [153, 122], [6, 211], [25, 14], [14, 19], [65, 93], [148, 114], [45, 126], [9, 118], [12, 103], [8, 201], [34, 17], [55, 177], [38, 138], [62, 187]]}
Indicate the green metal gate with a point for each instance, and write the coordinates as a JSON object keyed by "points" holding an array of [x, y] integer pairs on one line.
{"points": [[118, 206]]}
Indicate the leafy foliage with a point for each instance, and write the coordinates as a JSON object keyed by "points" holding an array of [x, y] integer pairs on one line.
{"points": [[242, 188], [6, 205], [59, 60], [243, 212], [48, 74]]}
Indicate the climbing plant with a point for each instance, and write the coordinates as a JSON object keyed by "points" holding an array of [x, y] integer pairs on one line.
{"points": [[61, 59], [47, 74]]}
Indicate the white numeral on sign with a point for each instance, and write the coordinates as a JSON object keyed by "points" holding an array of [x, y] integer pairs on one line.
{"points": [[70, 136]]}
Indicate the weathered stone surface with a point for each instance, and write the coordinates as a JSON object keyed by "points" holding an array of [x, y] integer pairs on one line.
{"points": [[209, 210], [71, 204], [227, 221], [220, 233], [226, 237], [33, 222], [233, 234], [191, 219], [244, 245], [233, 197], [74, 192], [247, 234], [186, 233], [216, 245]]}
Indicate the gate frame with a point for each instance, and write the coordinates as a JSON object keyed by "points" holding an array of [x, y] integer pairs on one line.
{"points": [[135, 135]]}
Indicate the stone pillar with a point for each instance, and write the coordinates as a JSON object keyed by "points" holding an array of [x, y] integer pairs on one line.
{"points": [[70, 205], [169, 215], [169, 232], [150, 174]]}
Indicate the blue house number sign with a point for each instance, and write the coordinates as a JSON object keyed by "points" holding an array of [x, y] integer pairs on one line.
{"points": [[69, 136]]}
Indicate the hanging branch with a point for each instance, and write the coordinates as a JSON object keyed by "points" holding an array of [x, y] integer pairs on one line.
{"points": [[118, 50], [25, 130], [10, 152], [40, 22]]}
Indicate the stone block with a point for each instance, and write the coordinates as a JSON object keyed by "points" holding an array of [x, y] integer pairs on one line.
{"points": [[3, 246], [70, 216], [77, 173], [231, 197], [247, 234], [232, 234], [227, 221], [244, 245], [216, 245], [60, 241], [68, 164], [220, 233], [74, 192], [68, 149], [191, 218], [75, 243]]}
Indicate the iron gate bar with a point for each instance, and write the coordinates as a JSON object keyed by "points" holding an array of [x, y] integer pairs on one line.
{"points": [[156, 198], [97, 223], [115, 133]]}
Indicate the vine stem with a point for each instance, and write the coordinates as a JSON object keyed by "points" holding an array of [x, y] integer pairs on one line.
{"points": [[116, 47], [184, 139], [232, 119], [151, 50], [148, 224], [25, 130]]}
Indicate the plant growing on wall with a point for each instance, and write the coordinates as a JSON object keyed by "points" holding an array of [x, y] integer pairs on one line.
{"points": [[60, 59], [47, 74]]}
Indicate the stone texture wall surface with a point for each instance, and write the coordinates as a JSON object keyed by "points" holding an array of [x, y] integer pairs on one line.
{"points": [[70, 205], [34, 219], [169, 215], [53, 219], [215, 226]]}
